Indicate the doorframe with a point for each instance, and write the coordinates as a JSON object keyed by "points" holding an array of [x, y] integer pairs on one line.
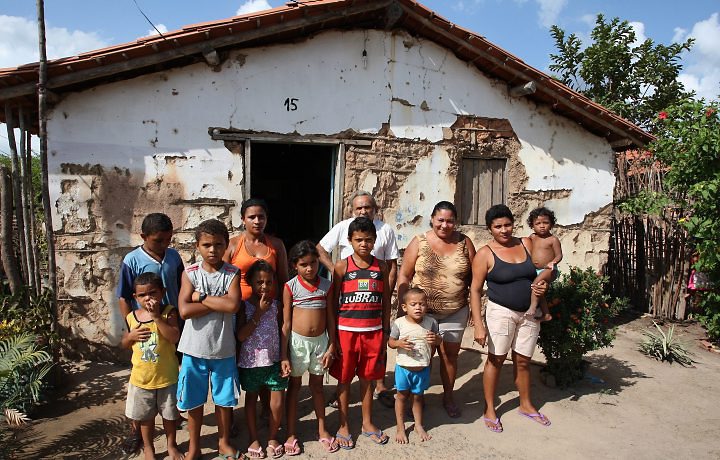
{"points": [[338, 159]]}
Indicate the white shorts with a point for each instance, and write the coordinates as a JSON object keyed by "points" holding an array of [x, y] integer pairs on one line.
{"points": [[306, 354], [510, 330]]}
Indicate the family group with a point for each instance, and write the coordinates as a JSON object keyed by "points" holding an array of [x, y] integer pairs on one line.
{"points": [[250, 315]]}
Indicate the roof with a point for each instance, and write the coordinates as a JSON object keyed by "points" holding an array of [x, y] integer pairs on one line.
{"points": [[301, 19]]}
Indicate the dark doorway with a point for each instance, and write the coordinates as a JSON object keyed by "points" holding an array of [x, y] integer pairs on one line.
{"points": [[296, 180]]}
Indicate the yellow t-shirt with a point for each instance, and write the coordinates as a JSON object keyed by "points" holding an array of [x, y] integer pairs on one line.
{"points": [[154, 364]]}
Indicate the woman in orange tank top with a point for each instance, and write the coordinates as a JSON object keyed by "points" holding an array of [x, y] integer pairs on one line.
{"points": [[253, 244]]}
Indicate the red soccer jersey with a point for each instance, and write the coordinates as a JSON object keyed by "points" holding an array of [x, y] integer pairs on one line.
{"points": [[361, 297]]}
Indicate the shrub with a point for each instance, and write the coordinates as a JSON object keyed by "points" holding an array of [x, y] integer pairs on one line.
{"points": [[26, 312], [582, 322], [665, 347]]}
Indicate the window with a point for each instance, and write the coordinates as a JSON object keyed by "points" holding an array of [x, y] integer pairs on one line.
{"points": [[482, 184]]}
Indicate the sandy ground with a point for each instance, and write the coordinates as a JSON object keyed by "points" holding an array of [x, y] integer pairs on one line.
{"points": [[629, 407]]}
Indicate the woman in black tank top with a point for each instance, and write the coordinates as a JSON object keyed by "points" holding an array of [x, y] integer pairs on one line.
{"points": [[506, 265]]}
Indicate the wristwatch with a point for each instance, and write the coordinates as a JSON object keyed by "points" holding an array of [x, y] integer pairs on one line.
{"points": [[202, 297]]}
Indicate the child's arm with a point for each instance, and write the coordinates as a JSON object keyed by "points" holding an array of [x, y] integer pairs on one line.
{"points": [[285, 366], [331, 328], [227, 303], [334, 297], [167, 327], [557, 250], [125, 290], [186, 305], [247, 327], [385, 298], [139, 334], [433, 337], [394, 340]]}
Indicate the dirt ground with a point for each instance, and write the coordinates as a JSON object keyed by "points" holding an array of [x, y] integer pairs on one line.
{"points": [[629, 406]]}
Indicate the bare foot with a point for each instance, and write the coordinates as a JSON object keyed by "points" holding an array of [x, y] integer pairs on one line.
{"points": [[400, 436], [149, 452], [546, 317], [175, 454], [424, 435]]}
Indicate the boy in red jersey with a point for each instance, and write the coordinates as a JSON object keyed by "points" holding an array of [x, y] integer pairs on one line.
{"points": [[363, 321]]}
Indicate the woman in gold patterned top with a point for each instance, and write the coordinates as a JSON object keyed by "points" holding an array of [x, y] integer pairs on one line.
{"points": [[440, 263]]}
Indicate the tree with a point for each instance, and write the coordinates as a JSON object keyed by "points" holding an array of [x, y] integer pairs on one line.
{"points": [[635, 80], [688, 144]]}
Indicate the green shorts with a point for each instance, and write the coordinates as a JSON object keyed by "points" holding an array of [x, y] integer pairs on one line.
{"points": [[252, 379], [306, 354]]}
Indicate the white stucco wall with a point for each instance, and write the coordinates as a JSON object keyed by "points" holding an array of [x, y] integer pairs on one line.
{"points": [[154, 128]]}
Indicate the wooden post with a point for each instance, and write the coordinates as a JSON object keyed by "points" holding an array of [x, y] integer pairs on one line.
{"points": [[7, 251], [42, 134], [17, 191], [26, 202]]}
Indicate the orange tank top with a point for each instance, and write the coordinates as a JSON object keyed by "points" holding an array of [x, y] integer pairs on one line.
{"points": [[243, 260]]}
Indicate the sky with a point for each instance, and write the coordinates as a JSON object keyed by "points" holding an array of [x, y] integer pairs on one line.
{"points": [[521, 27]]}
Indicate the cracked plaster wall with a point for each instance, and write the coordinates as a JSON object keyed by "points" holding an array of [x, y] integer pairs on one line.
{"points": [[121, 150]]}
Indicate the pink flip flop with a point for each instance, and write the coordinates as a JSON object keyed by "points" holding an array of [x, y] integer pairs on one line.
{"points": [[497, 428], [536, 417], [292, 448], [329, 444]]}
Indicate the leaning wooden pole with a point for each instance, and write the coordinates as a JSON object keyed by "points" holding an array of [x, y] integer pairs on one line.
{"points": [[26, 201], [42, 134], [7, 250], [16, 176]]}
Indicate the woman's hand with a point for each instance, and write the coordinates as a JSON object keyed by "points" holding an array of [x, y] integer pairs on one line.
{"points": [[539, 288], [480, 334]]}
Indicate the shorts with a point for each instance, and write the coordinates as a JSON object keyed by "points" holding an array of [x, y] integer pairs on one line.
{"points": [[253, 379], [509, 329], [306, 354], [453, 326], [362, 355], [143, 404], [415, 381], [196, 373], [555, 272]]}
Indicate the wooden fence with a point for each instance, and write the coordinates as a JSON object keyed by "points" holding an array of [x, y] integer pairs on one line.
{"points": [[648, 255]]}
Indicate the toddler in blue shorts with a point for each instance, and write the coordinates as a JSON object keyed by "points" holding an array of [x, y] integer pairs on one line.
{"points": [[415, 336]]}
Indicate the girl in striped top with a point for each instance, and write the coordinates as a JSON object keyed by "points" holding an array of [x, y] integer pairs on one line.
{"points": [[308, 337]]}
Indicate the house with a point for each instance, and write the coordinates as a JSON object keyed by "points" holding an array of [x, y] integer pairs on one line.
{"points": [[302, 105]]}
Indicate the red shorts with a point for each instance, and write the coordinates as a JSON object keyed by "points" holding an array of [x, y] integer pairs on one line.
{"points": [[362, 355]]}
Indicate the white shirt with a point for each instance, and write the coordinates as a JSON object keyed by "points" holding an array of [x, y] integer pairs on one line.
{"points": [[385, 244]]}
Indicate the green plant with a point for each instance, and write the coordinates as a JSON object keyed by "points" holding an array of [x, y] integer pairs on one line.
{"points": [[664, 347], [582, 315], [27, 312], [23, 365], [645, 202]]}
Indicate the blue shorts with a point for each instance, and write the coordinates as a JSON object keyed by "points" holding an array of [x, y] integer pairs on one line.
{"points": [[195, 373], [415, 381]]}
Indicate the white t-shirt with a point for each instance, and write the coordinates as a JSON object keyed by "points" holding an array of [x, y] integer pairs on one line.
{"points": [[385, 244], [419, 356]]}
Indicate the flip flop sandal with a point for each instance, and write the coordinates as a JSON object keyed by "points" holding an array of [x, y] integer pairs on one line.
{"points": [[329, 444], [292, 448], [275, 451], [497, 428], [536, 417], [345, 438], [234, 456], [255, 453], [378, 439]]}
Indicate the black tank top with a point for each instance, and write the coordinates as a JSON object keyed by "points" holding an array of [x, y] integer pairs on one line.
{"points": [[509, 284]]}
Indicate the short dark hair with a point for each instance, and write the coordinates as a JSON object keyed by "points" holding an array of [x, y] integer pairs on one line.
{"points": [[155, 223], [361, 224], [444, 205], [413, 290], [143, 279], [257, 267], [541, 211], [212, 227], [250, 202], [498, 211], [300, 250]]}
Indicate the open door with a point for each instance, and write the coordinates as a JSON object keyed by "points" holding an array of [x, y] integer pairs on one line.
{"points": [[297, 181]]}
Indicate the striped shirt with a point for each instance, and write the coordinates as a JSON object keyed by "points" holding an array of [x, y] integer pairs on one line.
{"points": [[361, 298], [304, 295]]}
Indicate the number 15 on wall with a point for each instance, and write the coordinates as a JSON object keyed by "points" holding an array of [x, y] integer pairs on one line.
{"points": [[291, 104]]}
